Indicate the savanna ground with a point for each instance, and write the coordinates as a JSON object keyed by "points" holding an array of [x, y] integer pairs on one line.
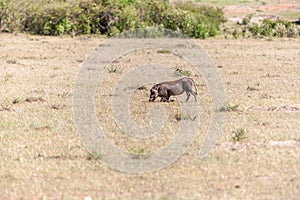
{"points": [[43, 158]]}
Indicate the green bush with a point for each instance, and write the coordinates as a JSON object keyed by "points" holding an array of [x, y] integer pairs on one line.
{"points": [[3, 12], [201, 21], [271, 28], [280, 30], [268, 28], [109, 17], [11, 15], [293, 30]]}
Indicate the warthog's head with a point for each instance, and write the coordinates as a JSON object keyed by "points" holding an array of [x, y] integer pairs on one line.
{"points": [[153, 93]]}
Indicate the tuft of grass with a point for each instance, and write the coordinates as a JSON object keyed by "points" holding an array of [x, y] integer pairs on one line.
{"points": [[63, 94], [42, 128], [5, 124], [178, 116], [249, 88], [95, 155], [113, 70], [142, 87], [137, 153], [16, 100], [229, 108], [34, 99], [6, 105], [266, 96], [56, 67], [180, 72], [58, 106], [13, 61], [164, 51], [7, 77], [137, 150], [239, 135]]}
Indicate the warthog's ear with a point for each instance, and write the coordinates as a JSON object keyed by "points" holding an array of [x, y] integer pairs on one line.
{"points": [[155, 87], [159, 88]]}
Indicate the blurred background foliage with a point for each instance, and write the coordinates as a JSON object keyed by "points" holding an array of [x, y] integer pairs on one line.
{"points": [[110, 17]]}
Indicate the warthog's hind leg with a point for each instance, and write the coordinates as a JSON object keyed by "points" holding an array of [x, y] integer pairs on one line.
{"points": [[188, 96], [194, 94]]}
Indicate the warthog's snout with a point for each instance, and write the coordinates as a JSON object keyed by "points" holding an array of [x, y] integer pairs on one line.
{"points": [[153, 94], [151, 99]]}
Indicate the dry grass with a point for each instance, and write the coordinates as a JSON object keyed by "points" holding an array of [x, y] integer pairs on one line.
{"points": [[42, 158]]}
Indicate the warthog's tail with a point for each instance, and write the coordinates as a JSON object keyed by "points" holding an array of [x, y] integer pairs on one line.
{"points": [[194, 86]]}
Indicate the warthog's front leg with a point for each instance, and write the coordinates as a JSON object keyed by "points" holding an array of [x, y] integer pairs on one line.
{"points": [[165, 99]]}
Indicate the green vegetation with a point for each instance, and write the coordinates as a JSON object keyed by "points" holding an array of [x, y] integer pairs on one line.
{"points": [[239, 135], [178, 116], [5, 105], [180, 72], [11, 61], [56, 17], [267, 28], [229, 108], [16, 100], [164, 51], [95, 156], [4, 124], [138, 153], [113, 70]]}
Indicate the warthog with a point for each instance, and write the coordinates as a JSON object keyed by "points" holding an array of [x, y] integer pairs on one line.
{"points": [[166, 89]]}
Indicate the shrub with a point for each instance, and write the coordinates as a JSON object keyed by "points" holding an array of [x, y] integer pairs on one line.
{"points": [[3, 12], [247, 19], [293, 30], [12, 15], [254, 29], [280, 30], [270, 28], [64, 18], [107, 17], [202, 21]]}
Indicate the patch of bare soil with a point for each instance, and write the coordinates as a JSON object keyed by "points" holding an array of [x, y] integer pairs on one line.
{"points": [[258, 9], [240, 146]]}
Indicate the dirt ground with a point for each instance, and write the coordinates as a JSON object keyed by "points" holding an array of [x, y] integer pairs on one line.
{"points": [[42, 157], [287, 9]]}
